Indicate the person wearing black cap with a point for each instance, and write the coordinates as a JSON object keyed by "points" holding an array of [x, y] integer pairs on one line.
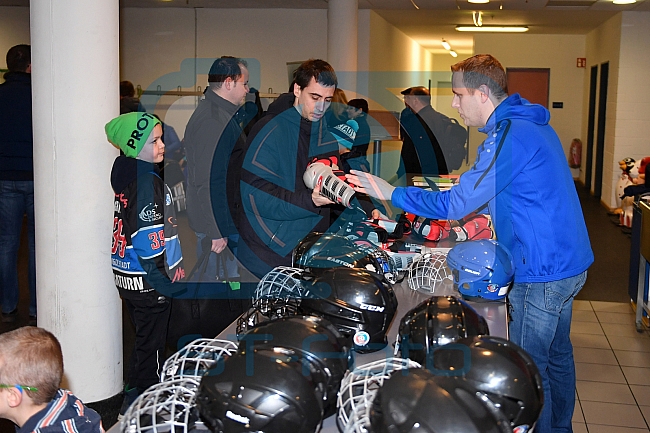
{"points": [[421, 153], [358, 111]]}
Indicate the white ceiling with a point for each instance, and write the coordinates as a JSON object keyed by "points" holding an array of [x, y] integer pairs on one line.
{"points": [[436, 19]]}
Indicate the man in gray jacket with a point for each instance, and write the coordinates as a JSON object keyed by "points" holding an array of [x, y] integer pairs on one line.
{"points": [[210, 136]]}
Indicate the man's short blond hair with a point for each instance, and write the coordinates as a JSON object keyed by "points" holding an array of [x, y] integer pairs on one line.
{"points": [[31, 356]]}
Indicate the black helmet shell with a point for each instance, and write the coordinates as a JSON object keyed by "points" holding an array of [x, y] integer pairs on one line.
{"points": [[437, 321], [359, 304], [411, 401], [263, 391], [310, 339], [500, 369], [320, 251]]}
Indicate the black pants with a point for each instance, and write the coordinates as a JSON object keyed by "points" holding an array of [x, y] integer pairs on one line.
{"points": [[150, 318]]}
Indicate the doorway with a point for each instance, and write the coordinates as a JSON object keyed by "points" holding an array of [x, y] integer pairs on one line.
{"points": [[591, 122], [600, 134]]}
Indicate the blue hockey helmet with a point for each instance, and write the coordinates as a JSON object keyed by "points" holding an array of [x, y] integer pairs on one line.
{"points": [[481, 269]]}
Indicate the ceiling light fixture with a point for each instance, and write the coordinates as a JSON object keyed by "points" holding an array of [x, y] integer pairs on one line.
{"points": [[493, 29], [414, 5], [478, 18], [446, 45], [478, 1], [624, 2], [453, 53]]}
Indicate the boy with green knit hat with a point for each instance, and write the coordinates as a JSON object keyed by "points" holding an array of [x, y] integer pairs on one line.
{"points": [[146, 251]]}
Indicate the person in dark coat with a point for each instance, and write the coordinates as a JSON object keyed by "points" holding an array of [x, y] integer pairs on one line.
{"points": [[16, 179], [421, 153], [277, 209], [358, 111], [210, 136]]}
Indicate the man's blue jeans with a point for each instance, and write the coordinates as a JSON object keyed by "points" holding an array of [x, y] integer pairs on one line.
{"points": [[16, 200], [541, 322]]}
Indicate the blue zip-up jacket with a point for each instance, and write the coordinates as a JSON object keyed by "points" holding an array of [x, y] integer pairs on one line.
{"points": [[522, 175]]}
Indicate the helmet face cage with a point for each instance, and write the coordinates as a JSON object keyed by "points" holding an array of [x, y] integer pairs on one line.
{"points": [[278, 294], [481, 269], [196, 358], [163, 407], [429, 274], [358, 390]]}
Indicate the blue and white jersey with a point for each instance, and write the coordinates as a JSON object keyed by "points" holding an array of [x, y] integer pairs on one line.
{"points": [[144, 231]]}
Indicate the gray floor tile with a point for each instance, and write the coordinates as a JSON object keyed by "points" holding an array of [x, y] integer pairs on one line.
{"points": [[592, 341], [599, 373], [619, 318], [612, 414], [579, 427], [605, 392], [636, 375], [611, 307], [583, 316], [595, 356], [595, 428], [618, 330], [640, 343], [577, 413], [587, 328], [582, 305], [632, 359], [645, 410], [641, 394]]}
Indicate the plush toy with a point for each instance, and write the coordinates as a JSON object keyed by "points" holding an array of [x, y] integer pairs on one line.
{"points": [[638, 185], [626, 165]]}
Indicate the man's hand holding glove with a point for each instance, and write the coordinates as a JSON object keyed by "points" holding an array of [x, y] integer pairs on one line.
{"points": [[372, 185]]}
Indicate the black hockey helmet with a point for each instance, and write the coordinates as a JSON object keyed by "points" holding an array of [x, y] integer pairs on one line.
{"points": [[318, 251], [359, 304], [501, 370], [314, 341], [264, 391], [411, 401], [437, 321]]}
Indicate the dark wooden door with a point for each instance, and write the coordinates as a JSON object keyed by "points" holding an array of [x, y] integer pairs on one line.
{"points": [[531, 83]]}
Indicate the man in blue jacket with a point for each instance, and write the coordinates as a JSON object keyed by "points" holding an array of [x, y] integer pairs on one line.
{"points": [[16, 179], [521, 175]]}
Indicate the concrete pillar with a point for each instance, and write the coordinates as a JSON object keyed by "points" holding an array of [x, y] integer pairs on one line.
{"points": [[342, 17], [75, 74]]}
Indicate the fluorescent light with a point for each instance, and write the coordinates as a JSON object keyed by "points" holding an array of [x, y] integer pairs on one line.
{"points": [[453, 53], [624, 2], [446, 45], [494, 29], [478, 1]]}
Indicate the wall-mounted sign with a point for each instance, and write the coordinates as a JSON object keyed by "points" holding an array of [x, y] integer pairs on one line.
{"points": [[581, 62]]}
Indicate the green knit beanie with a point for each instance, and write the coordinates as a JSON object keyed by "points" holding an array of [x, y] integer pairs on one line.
{"points": [[129, 132]]}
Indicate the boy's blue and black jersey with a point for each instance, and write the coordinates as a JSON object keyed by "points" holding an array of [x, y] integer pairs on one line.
{"points": [[145, 251]]}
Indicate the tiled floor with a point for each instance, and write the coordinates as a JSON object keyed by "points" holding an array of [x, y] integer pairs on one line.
{"points": [[612, 367]]}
